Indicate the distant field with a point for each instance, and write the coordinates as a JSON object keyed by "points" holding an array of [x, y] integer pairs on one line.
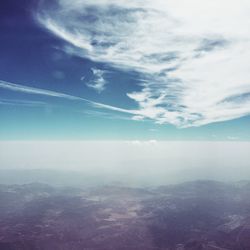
{"points": [[193, 215]]}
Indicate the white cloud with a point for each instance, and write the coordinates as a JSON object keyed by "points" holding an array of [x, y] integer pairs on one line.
{"points": [[232, 138], [142, 143], [18, 102], [106, 115], [193, 56], [37, 91], [98, 81]]}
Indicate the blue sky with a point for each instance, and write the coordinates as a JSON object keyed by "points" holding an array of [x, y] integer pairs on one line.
{"points": [[109, 70]]}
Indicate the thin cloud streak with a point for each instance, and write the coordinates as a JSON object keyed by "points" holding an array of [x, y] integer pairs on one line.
{"points": [[192, 56], [44, 92], [17, 102], [36, 91]]}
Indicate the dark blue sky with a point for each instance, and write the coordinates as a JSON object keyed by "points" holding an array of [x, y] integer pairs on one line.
{"points": [[36, 55]]}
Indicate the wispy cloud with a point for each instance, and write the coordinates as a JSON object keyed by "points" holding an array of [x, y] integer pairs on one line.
{"points": [[97, 82], [44, 92], [106, 115], [192, 56], [36, 91], [18, 102], [232, 138], [153, 130], [142, 143]]}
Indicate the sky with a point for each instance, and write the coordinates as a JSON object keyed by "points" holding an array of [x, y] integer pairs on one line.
{"points": [[133, 70], [134, 162]]}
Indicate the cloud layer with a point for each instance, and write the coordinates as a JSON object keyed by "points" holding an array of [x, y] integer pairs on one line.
{"points": [[192, 56], [148, 161]]}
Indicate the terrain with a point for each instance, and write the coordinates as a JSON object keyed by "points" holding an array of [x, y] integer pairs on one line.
{"points": [[198, 215]]}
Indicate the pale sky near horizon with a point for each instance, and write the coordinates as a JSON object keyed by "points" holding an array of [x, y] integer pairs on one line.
{"points": [[149, 160]]}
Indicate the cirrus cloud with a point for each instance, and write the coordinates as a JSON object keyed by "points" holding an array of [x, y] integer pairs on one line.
{"points": [[98, 82], [192, 57]]}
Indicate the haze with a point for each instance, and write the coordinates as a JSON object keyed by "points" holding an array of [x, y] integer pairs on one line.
{"points": [[153, 162]]}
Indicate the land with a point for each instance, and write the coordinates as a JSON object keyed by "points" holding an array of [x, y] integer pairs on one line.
{"points": [[198, 215]]}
